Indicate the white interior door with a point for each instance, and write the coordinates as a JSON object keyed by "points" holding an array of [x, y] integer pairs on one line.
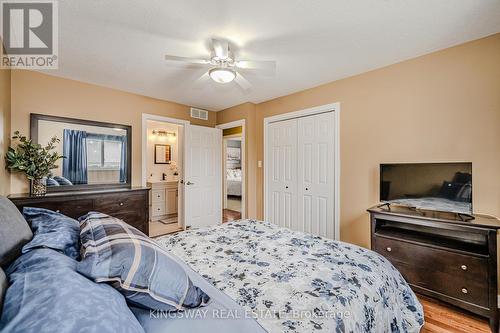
{"points": [[316, 177], [180, 167], [202, 179], [282, 168]]}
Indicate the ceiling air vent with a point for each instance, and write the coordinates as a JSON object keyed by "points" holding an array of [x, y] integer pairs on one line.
{"points": [[199, 114]]}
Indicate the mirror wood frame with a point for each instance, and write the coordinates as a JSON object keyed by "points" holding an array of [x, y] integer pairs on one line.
{"points": [[169, 153], [35, 118]]}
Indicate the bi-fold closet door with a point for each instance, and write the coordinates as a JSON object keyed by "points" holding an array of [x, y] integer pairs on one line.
{"points": [[301, 174]]}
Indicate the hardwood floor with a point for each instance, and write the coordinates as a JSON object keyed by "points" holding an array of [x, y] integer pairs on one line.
{"points": [[442, 318], [229, 215]]}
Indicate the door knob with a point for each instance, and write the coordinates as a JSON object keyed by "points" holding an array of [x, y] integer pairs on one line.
{"points": [[189, 183]]}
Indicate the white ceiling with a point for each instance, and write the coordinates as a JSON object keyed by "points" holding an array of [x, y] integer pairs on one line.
{"points": [[120, 44]]}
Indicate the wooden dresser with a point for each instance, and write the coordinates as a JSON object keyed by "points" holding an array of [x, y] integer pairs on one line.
{"points": [[441, 256], [127, 204]]}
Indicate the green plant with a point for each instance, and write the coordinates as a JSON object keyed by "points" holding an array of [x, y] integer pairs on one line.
{"points": [[31, 158]]}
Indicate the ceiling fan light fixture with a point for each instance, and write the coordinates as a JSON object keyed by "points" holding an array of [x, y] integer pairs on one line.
{"points": [[222, 75]]}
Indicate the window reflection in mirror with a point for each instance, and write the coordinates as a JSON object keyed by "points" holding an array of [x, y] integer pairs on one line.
{"points": [[93, 154]]}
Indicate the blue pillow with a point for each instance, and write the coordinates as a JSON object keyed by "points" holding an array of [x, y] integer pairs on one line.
{"points": [[51, 182], [52, 230], [148, 277], [47, 295], [62, 180]]}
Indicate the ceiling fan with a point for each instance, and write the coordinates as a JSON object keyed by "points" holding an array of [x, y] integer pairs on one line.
{"points": [[224, 67]]}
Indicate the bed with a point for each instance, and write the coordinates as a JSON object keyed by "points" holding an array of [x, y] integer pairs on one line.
{"points": [[233, 182], [259, 278], [295, 282]]}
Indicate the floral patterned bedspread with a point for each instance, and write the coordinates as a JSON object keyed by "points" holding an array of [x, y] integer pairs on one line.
{"points": [[296, 282]]}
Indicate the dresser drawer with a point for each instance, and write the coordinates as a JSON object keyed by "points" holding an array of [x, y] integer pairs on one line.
{"points": [[452, 285], [129, 207], [71, 208], [134, 220], [158, 196], [120, 203], [460, 265]]}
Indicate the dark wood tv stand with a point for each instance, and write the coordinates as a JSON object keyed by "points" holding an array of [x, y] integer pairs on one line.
{"points": [[442, 256]]}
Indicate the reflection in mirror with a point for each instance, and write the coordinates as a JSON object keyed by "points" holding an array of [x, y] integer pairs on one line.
{"points": [[94, 153], [163, 154]]}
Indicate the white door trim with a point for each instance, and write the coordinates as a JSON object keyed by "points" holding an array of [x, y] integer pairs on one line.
{"points": [[333, 107], [232, 124], [145, 118], [144, 153]]}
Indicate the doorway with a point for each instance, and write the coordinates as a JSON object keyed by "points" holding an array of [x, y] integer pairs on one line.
{"points": [[185, 179], [162, 172], [234, 176]]}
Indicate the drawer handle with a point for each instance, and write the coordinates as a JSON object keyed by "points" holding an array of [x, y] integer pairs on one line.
{"points": [[464, 290], [388, 249], [121, 203], [463, 267]]}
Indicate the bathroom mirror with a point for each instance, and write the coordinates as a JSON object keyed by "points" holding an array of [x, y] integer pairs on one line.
{"points": [[96, 154], [163, 154]]}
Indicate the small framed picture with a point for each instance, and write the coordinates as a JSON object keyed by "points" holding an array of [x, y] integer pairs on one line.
{"points": [[233, 154], [163, 154]]}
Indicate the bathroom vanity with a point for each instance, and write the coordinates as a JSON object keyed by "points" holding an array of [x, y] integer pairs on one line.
{"points": [[163, 199]]}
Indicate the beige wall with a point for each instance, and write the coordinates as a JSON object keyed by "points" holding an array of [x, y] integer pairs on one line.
{"points": [[5, 102], [34, 92], [246, 111], [443, 106]]}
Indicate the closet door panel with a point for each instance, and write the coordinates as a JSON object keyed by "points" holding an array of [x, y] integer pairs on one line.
{"points": [[307, 154], [282, 187], [306, 213], [316, 174]]}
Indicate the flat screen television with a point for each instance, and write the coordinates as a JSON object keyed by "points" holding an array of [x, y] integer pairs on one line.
{"points": [[445, 187]]}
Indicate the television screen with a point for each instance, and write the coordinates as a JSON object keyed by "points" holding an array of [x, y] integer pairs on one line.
{"points": [[443, 187]]}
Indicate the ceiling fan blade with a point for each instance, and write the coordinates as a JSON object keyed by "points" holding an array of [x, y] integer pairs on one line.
{"points": [[201, 82], [242, 82], [221, 48], [249, 64], [187, 59]]}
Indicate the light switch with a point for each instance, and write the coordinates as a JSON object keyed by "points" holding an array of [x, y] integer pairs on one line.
{"points": [[259, 164]]}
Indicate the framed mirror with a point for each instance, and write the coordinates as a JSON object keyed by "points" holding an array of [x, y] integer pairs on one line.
{"points": [[97, 155], [163, 154]]}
